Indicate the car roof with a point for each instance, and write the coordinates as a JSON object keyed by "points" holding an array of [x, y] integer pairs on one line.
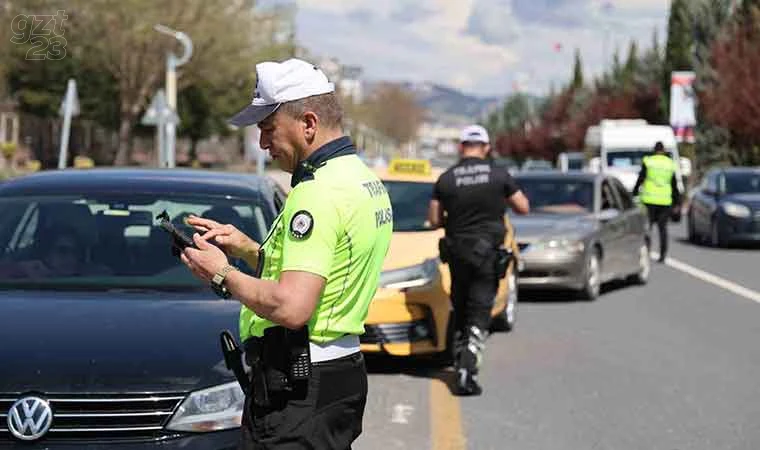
{"points": [[137, 180], [740, 169]]}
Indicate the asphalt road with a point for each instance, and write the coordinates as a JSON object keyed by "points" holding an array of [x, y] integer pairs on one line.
{"points": [[673, 365]]}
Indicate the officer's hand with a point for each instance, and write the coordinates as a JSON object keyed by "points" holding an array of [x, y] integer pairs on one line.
{"points": [[205, 261], [234, 242]]}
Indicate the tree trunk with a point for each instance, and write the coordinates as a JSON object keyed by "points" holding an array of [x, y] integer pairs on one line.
{"points": [[125, 131]]}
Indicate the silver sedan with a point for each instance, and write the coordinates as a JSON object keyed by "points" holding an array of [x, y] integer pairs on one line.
{"points": [[584, 230]]}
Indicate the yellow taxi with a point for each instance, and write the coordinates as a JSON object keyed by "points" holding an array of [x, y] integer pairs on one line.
{"points": [[411, 313]]}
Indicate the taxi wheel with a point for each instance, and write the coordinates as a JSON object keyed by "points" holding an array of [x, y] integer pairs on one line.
{"points": [[505, 320]]}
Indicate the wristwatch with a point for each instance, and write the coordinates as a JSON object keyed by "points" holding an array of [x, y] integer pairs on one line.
{"points": [[217, 282]]}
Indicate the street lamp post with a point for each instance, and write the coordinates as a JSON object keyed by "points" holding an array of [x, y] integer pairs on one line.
{"points": [[172, 62]]}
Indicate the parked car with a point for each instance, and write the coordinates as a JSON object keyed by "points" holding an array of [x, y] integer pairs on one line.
{"points": [[109, 341], [584, 229], [411, 312], [725, 207]]}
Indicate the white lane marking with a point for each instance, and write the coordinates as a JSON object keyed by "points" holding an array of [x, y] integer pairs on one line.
{"points": [[710, 278], [401, 413]]}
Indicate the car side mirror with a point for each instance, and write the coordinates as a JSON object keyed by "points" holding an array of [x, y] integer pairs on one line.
{"points": [[608, 214]]}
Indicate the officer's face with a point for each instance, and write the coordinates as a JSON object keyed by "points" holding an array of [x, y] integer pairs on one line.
{"points": [[282, 136]]}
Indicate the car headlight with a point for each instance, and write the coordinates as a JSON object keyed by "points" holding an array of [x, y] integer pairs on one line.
{"points": [[736, 210], [213, 409], [410, 277], [568, 245]]}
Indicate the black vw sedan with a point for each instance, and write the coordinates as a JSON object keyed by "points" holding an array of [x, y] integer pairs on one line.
{"points": [[107, 340]]}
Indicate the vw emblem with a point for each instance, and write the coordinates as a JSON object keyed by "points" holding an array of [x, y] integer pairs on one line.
{"points": [[30, 418]]}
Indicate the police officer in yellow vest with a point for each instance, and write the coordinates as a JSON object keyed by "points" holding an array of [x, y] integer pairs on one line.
{"points": [[319, 266], [659, 191]]}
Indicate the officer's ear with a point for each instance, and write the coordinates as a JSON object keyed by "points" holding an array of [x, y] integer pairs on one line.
{"points": [[310, 121]]}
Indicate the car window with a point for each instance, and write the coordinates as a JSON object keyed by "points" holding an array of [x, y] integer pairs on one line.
{"points": [[558, 195], [742, 182], [624, 197], [711, 184], [110, 240], [409, 201], [609, 200]]}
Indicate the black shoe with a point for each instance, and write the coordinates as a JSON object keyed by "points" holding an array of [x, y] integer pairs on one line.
{"points": [[661, 260], [467, 383]]}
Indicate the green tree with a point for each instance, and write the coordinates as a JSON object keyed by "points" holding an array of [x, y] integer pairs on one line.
{"points": [[631, 65], [577, 71]]}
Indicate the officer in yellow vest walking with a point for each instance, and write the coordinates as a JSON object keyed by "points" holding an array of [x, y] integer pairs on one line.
{"points": [[319, 267], [659, 191]]}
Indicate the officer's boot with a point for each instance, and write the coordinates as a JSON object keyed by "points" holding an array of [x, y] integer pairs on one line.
{"points": [[469, 361]]}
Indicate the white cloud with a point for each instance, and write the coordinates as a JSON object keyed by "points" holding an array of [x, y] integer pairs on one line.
{"points": [[480, 46]]}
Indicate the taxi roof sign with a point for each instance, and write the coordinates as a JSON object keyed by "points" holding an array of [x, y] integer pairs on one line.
{"points": [[410, 167]]}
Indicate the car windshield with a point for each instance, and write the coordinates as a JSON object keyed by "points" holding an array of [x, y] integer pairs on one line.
{"points": [[558, 196], [109, 241], [410, 202], [737, 183]]}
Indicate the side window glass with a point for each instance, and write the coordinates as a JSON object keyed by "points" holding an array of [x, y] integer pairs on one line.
{"points": [[609, 200], [626, 202]]}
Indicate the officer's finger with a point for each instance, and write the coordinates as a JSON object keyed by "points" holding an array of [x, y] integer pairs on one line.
{"points": [[200, 242], [216, 234], [202, 222]]}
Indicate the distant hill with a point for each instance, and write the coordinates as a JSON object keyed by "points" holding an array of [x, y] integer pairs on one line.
{"points": [[449, 105]]}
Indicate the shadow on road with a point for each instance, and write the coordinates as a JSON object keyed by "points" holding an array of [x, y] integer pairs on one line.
{"points": [[748, 246], [568, 296], [416, 366]]}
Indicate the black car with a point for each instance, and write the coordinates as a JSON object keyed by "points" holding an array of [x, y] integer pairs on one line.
{"points": [[725, 207], [108, 341]]}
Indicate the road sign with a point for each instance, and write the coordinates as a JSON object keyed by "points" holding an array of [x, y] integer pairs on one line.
{"points": [[159, 112]]}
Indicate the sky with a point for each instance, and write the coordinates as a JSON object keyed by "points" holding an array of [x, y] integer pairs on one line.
{"points": [[482, 47]]}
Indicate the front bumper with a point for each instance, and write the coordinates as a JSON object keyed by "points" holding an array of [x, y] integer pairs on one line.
{"points": [[745, 230], [552, 269], [219, 440], [410, 322]]}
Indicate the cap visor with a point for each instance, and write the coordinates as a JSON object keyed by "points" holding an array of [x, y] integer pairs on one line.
{"points": [[252, 114]]}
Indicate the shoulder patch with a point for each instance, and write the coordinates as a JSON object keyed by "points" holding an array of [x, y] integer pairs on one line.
{"points": [[301, 224]]}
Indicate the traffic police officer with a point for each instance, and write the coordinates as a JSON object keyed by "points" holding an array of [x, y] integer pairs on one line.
{"points": [[659, 191], [470, 200], [319, 267]]}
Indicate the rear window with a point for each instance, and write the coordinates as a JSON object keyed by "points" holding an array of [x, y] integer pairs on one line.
{"points": [[109, 241]]}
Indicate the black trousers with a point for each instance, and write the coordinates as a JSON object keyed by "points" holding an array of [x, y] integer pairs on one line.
{"points": [[473, 289], [324, 412], [660, 215]]}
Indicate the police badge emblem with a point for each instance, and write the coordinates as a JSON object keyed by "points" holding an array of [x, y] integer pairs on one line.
{"points": [[301, 224]]}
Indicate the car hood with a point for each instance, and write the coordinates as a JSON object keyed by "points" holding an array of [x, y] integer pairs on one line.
{"points": [[536, 227], [66, 342], [412, 248], [750, 199]]}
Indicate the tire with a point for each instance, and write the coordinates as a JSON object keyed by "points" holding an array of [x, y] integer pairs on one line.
{"points": [[716, 240], [645, 266], [593, 273], [694, 237], [506, 319]]}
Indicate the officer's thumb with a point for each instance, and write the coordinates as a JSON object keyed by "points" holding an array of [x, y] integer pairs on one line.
{"points": [[200, 242]]}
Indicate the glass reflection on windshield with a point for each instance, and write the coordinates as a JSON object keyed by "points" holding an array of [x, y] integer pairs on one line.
{"points": [[559, 196], [409, 201], [108, 241]]}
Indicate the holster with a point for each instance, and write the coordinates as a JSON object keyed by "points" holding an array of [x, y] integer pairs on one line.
{"points": [[233, 359], [504, 257], [444, 250], [279, 360]]}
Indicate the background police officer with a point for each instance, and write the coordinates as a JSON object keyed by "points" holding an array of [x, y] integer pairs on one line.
{"points": [[470, 200], [659, 191], [321, 264]]}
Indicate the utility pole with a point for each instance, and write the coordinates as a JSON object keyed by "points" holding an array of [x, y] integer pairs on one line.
{"points": [[172, 62]]}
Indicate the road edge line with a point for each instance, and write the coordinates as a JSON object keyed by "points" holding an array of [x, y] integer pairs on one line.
{"points": [[712, 279], [445, 418]]}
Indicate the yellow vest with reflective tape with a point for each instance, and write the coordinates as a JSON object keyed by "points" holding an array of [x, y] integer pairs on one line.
{"points": [[657, 188]]}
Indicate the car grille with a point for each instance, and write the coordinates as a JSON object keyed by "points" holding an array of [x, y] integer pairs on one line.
{"points": [[395, 332], [99, 418]]}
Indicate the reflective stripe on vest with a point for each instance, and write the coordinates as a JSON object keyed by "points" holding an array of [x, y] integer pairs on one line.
{"points": [[657, 188]]}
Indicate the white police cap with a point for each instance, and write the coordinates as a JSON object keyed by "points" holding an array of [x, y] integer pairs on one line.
{"points": [[277, 83], [474, 133]]}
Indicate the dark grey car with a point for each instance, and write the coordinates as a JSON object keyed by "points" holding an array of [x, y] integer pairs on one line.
{"points": [[584, 229]]}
